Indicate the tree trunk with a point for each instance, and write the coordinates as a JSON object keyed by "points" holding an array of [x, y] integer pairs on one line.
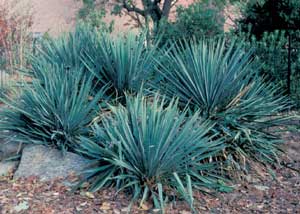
{"points": [[166, 8], [289, 73]]}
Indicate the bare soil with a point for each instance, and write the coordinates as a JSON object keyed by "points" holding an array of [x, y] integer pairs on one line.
{"points": [[259, 193]]}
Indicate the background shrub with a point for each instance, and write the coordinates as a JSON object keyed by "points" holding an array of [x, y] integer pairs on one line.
{"points": [[15, 36], [271, 53], [15, 42], [267, 25], [199, 20], [268, 16], [92, 14]]}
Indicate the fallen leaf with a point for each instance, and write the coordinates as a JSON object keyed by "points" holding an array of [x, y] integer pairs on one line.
{"points": [[83, 204], [89, 195], [144, 207], [105, 206]]}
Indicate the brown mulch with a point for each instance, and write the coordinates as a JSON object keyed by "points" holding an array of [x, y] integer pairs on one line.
{"points": [[265, 193]]}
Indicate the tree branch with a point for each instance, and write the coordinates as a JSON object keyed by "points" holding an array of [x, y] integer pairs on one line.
{"points": [[132, 8], [135, 17], [173, 3]]}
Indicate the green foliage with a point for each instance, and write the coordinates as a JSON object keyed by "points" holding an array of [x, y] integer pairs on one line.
{"points": [[90, 14], [150, 149], [123, 62], [149, 14], [222, 83], [270, 15], [265, 25], [64, 51], [216, 107], [59, 72], [88, 5], [198, 20], [53, 110], [272, 54]]}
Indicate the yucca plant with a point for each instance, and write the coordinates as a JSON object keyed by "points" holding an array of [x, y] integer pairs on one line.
{"points": [[125, 62], [64, 51], [53, 110], [150, 150], [221, 82], [67, 49]]}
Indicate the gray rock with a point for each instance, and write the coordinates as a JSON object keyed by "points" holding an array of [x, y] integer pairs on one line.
{"points": [[7, 167], [9, 148], [47, 163]]}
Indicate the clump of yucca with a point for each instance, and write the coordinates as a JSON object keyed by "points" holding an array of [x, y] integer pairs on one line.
{"points": [[153, 151], [54, 110], [222, 82]]}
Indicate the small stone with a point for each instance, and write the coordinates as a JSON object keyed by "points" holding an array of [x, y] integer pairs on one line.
{"points": [[185, 212], [260, 206], [7, 167], [116, 211], [9, 149], [124, 210], [89, 195], [262, 188], [21, 206]]}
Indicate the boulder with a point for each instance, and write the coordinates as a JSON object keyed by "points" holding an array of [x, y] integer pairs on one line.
{"points": [[7, 167], [48, 163], [9, 148]]}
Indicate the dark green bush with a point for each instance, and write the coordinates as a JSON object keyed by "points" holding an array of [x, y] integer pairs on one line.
{"points": [[55, 109], [268, 16], [266, 26], [199, 20], [271, 53], [152, 151], [222, 83], [92, 14]]}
